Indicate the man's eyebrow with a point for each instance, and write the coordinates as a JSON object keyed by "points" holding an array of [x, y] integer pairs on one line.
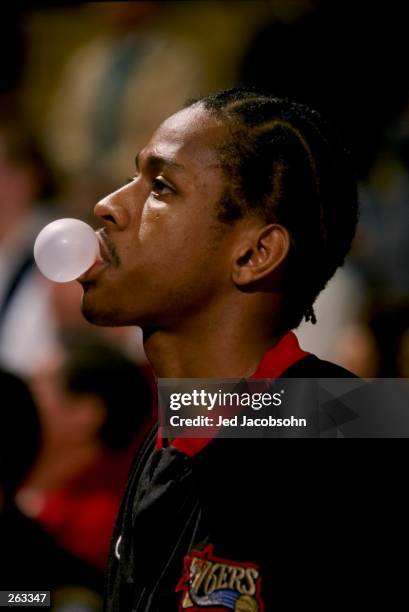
{"points": [[158, 161]]}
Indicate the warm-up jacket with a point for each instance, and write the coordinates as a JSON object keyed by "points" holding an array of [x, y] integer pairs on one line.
{"points": [[234, 526]]}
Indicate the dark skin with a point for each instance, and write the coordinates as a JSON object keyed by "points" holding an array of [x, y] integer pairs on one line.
{"points": [[206, 294]]}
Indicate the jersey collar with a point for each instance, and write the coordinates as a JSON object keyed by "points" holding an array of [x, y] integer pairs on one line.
{"points": [[273, 364]]}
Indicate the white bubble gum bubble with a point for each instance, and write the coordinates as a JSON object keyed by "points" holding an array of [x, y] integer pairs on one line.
{"points": [[65, 249]]}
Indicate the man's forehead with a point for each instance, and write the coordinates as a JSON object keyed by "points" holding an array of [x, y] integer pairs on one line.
{"points": [[191, 135]]}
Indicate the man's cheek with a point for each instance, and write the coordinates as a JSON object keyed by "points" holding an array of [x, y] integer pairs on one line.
{"points": [[152, 217], [154, 206]]}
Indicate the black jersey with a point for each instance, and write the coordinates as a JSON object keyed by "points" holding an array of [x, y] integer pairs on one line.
{"points": [[230, 528]]}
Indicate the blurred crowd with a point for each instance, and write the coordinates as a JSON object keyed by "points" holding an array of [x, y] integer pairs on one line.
{"points": [[82, 86]]}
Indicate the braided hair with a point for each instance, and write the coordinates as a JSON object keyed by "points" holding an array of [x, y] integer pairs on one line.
{"points": [[284, 162]]}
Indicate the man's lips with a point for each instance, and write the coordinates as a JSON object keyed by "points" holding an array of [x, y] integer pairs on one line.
{"points": [[102, 262], [93, 271]]}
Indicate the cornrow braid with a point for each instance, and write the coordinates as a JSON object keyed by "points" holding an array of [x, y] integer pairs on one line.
{"points": [[284, 162]]}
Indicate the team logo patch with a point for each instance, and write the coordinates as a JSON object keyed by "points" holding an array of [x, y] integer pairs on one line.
{"points": [[212, 583]]}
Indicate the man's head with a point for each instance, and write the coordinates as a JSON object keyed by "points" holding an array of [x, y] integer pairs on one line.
{"points": [[238, 197]]}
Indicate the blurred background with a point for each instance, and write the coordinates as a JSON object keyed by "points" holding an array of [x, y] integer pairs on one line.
{"points": [[82, 87]]}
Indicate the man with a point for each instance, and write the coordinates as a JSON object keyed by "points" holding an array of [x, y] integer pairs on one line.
{"points": [[241, 208]]}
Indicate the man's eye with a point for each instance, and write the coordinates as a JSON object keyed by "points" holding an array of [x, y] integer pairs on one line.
{"points": [[161, 187]]}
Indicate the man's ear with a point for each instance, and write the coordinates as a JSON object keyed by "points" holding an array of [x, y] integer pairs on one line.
{"points": [[260, 253]]}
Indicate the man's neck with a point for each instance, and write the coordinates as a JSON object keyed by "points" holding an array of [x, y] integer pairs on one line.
{"points": [[227, 347]]}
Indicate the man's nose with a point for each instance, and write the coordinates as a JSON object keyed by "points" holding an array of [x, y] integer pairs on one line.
{"points": [[112, 213]]}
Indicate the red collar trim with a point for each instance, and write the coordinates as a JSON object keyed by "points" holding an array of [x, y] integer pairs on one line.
{"points": [[273, 363], [279, 358]]}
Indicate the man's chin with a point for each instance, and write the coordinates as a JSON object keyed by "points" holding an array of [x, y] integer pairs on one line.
{"points": [[99, 310], [100, 314]]}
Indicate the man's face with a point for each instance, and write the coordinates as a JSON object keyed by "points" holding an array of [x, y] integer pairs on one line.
{"points": [[169, 259]]}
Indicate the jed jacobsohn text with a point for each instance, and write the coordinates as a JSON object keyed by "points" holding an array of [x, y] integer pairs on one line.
{"points": [[205, 399], [236, 421]]}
